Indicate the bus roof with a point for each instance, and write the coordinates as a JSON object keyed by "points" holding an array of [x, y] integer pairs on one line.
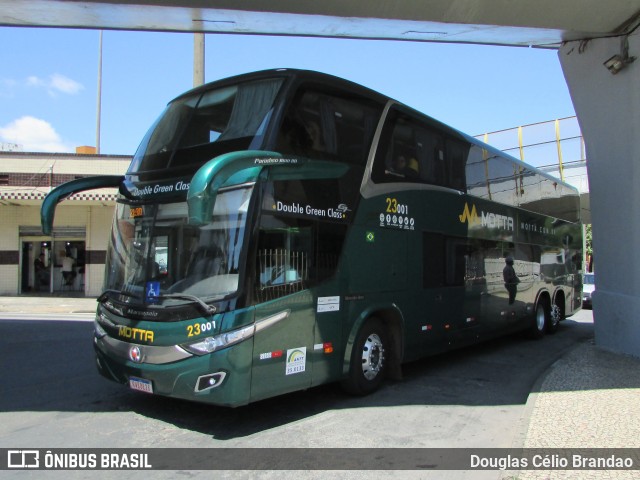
{"points": [[290, 73]]}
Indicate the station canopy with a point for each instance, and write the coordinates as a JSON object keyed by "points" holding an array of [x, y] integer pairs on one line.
{"points": [[537, 23]]}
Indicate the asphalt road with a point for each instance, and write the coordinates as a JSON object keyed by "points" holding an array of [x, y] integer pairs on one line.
{"points": [[52, 397]]}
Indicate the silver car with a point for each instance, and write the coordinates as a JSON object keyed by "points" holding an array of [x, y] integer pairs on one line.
{"points": [[588, 287]]}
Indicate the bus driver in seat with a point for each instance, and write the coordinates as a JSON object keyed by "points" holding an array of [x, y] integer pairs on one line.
{"points": [[408, 169]]}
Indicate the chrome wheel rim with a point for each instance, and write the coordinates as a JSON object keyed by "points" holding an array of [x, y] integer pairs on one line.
{"points": [[372, 356]]}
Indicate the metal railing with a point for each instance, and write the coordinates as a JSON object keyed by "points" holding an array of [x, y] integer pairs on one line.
{"points": [[555, 146], [281, 272]]}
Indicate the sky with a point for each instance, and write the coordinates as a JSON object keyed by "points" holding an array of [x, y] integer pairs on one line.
{"points": [[49, 80]]}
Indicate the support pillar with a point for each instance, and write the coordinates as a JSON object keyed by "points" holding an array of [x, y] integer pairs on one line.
{"points": [[198, 59], [608, 109]]}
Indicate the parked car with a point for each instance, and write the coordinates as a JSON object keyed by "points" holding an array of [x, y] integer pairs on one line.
{"points": [[588, 287]]}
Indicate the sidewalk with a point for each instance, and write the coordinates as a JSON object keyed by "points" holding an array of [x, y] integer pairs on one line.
{"points": [[47, 304], [590, 398]]}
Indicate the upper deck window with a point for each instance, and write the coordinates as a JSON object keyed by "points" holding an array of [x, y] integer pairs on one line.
{"points": [[329, 125], [410, 150], [499, 179], [196, 128]]}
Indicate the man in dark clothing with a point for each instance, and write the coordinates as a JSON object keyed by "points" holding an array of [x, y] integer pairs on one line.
{"points": [[511, 280], [41, 272]]}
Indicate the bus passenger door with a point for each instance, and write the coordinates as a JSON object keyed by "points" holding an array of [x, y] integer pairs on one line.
{"points": [[453, 298], [285, 313], [435, 300], [283, 348], [464, 278]]}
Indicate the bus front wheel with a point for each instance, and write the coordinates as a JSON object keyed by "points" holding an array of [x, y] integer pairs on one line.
{"points": [[368, 359]]}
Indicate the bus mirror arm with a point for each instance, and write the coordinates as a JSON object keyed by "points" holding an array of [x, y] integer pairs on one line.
{"points": [[206, 182], [61, 192]]}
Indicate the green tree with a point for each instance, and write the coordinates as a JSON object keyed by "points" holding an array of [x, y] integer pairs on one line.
{"points": [[589, 237]]}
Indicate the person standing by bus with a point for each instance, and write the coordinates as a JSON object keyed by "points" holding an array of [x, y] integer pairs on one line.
{"points": [[511, 280]]}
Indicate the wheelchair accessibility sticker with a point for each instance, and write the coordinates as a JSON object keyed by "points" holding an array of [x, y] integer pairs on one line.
{"points": [[153, 291]]}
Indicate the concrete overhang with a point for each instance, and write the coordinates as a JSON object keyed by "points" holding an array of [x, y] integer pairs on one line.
{"points": [[539, 23]]}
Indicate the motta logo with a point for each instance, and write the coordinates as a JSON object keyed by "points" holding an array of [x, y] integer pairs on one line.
{"points": [[469, 216], [485, 219]]}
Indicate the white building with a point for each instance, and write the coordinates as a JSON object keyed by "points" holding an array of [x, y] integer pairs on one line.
{"points": [[81, 227]]}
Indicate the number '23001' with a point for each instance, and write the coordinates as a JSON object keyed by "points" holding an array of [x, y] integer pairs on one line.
{"points": [[394, 207], [198, 328]]}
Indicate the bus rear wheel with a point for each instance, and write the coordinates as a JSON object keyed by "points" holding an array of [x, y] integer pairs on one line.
{"points": [[540, 320], [368, 359]]}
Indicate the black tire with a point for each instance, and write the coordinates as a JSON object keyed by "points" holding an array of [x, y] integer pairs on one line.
{"points": [[368, 365], [540, 320]]}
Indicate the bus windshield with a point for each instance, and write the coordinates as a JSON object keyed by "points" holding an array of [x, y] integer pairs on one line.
{"points": [[155, 255], [198, 127]]}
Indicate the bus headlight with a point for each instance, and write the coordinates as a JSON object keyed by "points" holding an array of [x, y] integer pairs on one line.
{"points": [[224, 340]]}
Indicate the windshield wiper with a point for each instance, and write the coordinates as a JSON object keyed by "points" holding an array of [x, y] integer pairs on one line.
{"points": [[105, 295], [208, 309]]}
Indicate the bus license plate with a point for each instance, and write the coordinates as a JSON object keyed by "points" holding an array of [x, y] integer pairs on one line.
{"points": [[140, 384]]}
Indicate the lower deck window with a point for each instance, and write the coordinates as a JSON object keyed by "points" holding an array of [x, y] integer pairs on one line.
{"points": [[294, 254]]}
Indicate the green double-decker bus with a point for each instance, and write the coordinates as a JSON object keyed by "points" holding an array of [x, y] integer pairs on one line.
{"points": [[284, 229]]}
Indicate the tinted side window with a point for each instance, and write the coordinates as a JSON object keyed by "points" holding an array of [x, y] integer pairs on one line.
{"points": [[433, 267], [503, 180], [477, 169], [301, 235], [500, 179], [410, 150], [294, 254], [457, 262], [329, 125]]}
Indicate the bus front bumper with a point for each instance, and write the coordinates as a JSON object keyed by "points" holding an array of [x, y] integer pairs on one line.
{"points": [[220, 378]]}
